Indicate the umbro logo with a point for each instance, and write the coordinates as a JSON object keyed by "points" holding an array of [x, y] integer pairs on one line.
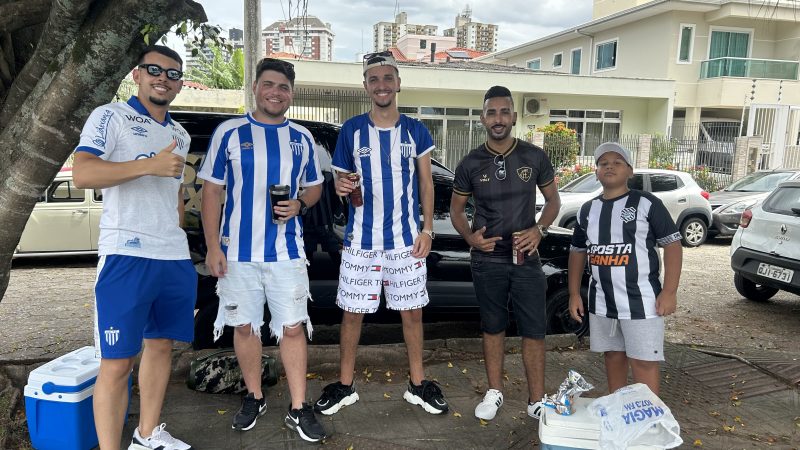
{"points": [[364, 152], [139, 130], [246, 145]]}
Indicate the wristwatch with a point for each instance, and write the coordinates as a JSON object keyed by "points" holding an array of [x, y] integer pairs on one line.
{"points": [[303, 207], [543, 229], [430, 233]]}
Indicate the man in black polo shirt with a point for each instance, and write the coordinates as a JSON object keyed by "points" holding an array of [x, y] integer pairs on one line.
{"points": [[501, 176]]}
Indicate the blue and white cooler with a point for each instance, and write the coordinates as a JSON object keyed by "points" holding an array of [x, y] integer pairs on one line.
{"points": [[58, 402]]}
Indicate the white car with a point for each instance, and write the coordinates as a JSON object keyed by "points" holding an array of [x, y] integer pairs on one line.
{"points": [[765, 251], [686, 201]]}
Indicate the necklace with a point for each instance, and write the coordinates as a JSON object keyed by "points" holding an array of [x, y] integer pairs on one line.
{"points": [[387, 154]]}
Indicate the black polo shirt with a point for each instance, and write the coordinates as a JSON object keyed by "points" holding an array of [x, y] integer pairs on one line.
{"points": [[503, 205]]}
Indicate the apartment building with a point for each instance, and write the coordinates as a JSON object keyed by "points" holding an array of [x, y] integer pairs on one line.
{"points": [[307, 36], [473, 35], [387, 34]]}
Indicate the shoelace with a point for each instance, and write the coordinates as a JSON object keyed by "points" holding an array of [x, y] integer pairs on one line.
{"points": [[161, 435], [250, 405], [430, 389]]}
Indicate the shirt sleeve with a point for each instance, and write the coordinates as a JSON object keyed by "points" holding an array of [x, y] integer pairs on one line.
{"points": [[579, 234], [461, 183], [661, 223], [343, 155], [312, 175], [423, 139], [215, 163], [99, 133], [546, 172]]}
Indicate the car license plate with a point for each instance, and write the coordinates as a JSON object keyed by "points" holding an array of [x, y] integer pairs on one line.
{"points": [[775, 272]]}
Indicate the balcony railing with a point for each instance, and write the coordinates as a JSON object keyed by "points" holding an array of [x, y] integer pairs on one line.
{"points": [[749, 68]]}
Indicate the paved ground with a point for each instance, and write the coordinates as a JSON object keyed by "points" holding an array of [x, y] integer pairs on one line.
{"points": [[722, 402]]}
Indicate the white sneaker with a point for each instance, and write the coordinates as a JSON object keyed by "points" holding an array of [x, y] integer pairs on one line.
{"points": [[159, 439], [492, 401], [535, 409]]}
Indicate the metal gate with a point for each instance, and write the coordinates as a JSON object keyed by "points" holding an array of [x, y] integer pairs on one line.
{"points": [[779, 128]]}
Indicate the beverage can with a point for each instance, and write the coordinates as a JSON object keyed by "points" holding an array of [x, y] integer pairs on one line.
{"points": [[356, 199], [517, 255]]}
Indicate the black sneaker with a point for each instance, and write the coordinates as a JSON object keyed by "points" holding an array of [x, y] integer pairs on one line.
{"points": [[247, 415], [335, 396], [428, 395], [305, 423]]}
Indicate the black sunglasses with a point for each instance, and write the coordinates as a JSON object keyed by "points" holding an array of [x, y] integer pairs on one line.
{"points": [[500, 174], [156, 70], [377, 56]]}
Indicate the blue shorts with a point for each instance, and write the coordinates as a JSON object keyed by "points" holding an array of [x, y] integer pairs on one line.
{"points": [[525, 286], [141, 298]]}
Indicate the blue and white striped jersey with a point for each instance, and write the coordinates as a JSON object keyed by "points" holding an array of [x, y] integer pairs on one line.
{"points": [[248, 156], [386, 160]]}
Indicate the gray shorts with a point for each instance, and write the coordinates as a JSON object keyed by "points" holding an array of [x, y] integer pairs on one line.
{"points": [[641, 339]]}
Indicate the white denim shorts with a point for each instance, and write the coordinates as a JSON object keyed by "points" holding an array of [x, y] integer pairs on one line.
{"points": [[641, 339], [363, 273], [247, 286]]}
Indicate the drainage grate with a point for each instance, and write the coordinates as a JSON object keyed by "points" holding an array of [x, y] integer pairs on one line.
{"points": [[737, 379]]}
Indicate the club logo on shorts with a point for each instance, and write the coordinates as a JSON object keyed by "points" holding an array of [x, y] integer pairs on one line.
{"points": [[112, 336], [406, 150], [628, 214], [364, 152], [297, 147], [524, 173]]}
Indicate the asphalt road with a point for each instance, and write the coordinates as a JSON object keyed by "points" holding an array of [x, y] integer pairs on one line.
{"points": [[47, 311]]}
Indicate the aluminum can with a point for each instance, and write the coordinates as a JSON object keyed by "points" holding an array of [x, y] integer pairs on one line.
{"points": [[517, 256], [356, 198]]}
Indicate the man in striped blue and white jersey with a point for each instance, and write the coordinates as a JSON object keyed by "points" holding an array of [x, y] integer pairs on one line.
{"points": [[257, 259], [385, 243]]}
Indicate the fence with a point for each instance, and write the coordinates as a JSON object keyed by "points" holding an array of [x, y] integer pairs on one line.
{"points": [[328, 105]]}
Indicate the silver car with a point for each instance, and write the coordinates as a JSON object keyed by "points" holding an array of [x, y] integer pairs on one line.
{"points": [[728, 204], [686, 201]]}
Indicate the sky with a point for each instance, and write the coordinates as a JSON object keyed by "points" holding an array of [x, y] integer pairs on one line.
{"points": [[351, 21]]}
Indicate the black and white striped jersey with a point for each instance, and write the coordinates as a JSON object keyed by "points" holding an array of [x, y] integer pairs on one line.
{"points": [[619, 236]]}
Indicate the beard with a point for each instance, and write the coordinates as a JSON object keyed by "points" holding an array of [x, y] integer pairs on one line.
{"points": [[158, 101], [499, 136]]}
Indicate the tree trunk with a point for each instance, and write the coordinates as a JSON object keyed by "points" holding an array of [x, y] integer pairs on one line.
{"points": [[86, 48]]}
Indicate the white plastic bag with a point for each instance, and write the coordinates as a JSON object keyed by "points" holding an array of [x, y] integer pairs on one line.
{"points": [[634, 415]]}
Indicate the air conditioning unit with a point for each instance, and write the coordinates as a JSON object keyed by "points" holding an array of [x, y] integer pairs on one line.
{"points": [[534, 106]]}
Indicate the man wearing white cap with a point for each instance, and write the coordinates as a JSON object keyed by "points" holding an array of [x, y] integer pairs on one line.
{"points": [[385, 243], [617, 233]]}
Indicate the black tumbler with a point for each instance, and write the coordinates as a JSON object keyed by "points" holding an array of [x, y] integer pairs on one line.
{"points": [[277, 193]]}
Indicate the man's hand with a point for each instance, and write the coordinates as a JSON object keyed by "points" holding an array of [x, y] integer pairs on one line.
{"points": [[167, 164], [344, 186], [666, 303], [576, 307], [528, 240], [216, 262], [483, 244], [286, 209], [422, 245]]}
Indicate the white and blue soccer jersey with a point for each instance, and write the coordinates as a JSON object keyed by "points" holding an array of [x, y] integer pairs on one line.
{"points": [[386, 160], [140, 217], [248, 156]]}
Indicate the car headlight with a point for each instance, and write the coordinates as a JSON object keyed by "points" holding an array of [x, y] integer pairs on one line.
{"points": [[738, 207]]}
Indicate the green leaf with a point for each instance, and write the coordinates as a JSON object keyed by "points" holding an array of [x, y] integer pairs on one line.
{"points": [[147, 39], [182, 29]]}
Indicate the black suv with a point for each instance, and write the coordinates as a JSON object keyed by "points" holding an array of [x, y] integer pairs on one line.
{"points": [[452, 296]]}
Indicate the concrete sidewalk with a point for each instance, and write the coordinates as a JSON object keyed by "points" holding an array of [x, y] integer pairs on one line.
{"points": [[717, 415]]}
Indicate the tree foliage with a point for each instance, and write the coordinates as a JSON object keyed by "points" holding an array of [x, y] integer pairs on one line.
{"points": [[58, 61], [221, 71]]}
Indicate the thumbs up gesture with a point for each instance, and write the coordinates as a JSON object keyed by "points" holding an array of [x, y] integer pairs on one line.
{"points": [[167, 164]]}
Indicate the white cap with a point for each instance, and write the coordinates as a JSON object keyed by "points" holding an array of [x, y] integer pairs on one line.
{"points": [[384, 58], [606, 147]]}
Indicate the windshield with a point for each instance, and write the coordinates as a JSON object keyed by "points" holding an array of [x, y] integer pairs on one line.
{"points": [[586, 183], [759, 182]]}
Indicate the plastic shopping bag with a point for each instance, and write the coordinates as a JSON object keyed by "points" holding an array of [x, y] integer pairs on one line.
{"points": [[634, 415]]}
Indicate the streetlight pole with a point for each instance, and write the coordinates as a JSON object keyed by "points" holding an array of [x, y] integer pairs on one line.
{"points": [[252, 48]]}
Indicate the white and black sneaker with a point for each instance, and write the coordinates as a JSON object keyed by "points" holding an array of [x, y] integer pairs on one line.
{"points": [[304, 421], [335, 396], [249, 412], [158, 439], [487, 408], [428, 395]]}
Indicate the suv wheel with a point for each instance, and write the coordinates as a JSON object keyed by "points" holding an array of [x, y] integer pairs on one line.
{"points": [[752, 290], [693, 232], [558, 318]]}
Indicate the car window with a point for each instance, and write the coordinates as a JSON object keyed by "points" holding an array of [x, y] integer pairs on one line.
{"points": [[586, 183], [637, 182], [663, 182], [759, 182], [785, 200], [64, 191]]}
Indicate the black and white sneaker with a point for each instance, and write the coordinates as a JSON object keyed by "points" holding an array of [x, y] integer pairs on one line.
{"points": [[249, 412], [335, 396], [304, 421], [428, 395]]}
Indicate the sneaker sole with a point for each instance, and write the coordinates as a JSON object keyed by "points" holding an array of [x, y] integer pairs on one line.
{"points": [[138, 447], [414, 400], [487, 416], [346, 401], [261, 412], [295, 427]]}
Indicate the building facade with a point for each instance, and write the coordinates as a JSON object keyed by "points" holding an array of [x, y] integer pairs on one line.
{"points": [[306, 36], [387, 34], [473, 35]]}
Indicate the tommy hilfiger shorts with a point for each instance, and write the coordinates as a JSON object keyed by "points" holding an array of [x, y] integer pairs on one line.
{"points": [[364, 272]]}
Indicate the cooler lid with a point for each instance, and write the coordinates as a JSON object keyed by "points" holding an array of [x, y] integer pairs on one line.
{"points": [[582, 418], [72, 372]]}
